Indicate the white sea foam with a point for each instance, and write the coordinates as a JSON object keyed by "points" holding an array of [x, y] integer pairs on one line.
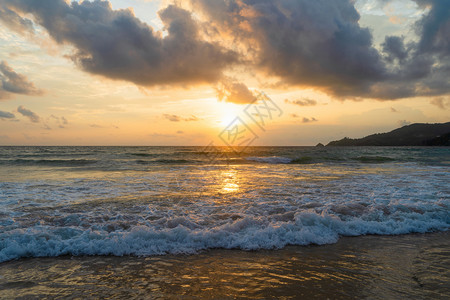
{"points": [[247, 233]]}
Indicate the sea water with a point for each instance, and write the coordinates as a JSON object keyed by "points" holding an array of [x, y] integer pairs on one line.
{"points": [[146, 201]]}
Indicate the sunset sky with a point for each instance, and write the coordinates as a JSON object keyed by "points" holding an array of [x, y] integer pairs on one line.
{"points": [[137, 72]]}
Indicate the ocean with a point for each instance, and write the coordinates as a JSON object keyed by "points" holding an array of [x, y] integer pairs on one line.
{"points": [[156, 208]]}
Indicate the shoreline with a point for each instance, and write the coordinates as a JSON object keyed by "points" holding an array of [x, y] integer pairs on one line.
{"points": [[412, 265]]}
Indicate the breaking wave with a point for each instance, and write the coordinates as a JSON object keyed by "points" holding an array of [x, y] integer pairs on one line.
{"points": [[183, 235]]}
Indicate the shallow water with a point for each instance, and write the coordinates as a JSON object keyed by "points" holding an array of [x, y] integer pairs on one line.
{"points": [[412, 266], [172, 200]]}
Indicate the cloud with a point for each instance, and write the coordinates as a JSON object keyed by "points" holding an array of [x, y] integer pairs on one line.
{"points": [[420, 68], [191, 118], [302, 102], [321, 44], [434, 28], [58, 121], [117, 45], [6, 115], [13, 21], [29, 114], [403, 123], [304, 119], [172, 118], [395, 49], [100, 126], [161, 135], [14, 83], [301, 43], [176, 118], [230, 90], [441, 102], [309, 120]]}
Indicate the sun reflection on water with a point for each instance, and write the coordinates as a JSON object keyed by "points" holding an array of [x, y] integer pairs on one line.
{"points": [[230, 182]]}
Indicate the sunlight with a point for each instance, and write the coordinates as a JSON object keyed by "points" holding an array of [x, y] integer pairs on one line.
{"points": [[229, 182], [227, 113], [227, 118]]}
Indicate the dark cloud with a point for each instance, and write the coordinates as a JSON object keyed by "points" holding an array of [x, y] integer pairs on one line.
{"points": [[14, 83], [434, 28], [232, 91], [29, 114], [321, 44], [302, 102], [304, 43], [394, 47], [116, 44], [175, 118], [420, 68], [6, 115]]}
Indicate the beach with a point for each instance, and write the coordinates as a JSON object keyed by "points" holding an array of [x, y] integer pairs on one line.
{"points": [[414, 266], [156, 149]]}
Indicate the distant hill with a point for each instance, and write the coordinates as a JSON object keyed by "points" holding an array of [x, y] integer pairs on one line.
{"points": [[412, 135]]}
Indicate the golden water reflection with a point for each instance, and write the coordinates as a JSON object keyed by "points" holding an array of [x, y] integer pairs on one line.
{"points": [[229, 181], [354, 268]]}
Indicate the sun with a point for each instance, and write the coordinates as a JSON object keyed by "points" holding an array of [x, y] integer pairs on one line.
{"points": [[228, 112], [227, 119]]}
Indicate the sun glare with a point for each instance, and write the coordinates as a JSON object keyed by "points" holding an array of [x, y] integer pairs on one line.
{"points": [[228, 112]]}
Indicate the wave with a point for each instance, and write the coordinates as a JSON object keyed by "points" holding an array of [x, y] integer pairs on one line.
{"points": [[182, 235], [152, 159], [165, 161], [271, 159], [143, 154], [50, 162], [302, 160], [281, 160], [374, 159], [320, 159]]}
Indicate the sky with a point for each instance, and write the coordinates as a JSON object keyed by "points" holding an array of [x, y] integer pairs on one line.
{"points": [[148, 72]]}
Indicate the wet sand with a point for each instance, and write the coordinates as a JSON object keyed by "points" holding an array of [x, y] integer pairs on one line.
{"points": [[376, 267]]}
